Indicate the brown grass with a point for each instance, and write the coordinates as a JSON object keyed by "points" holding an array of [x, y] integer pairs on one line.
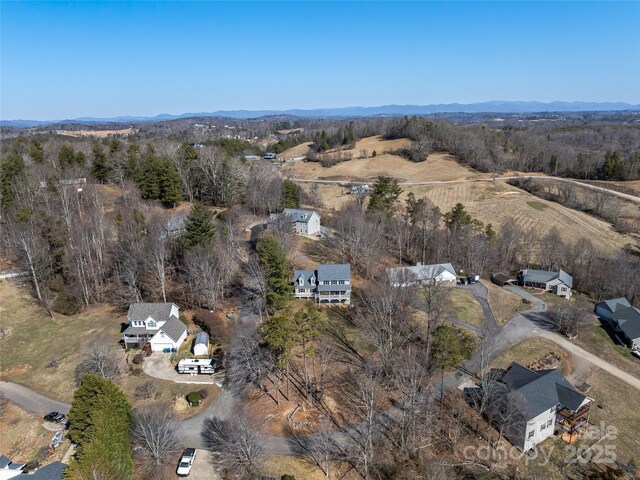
{"points": [[504, 304], [464, 307], [95, 133], [22, 436]]}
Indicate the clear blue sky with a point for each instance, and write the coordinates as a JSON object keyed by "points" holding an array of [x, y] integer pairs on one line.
{"points": [[64, 60]]}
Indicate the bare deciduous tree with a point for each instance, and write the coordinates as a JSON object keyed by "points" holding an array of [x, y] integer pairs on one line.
{"points": [[237, 444], [101, 357], [155, 436]]}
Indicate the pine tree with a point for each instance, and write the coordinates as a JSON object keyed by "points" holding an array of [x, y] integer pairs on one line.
{"points": [[458, 215], [170, 184], [612, 166], [66, 156], [274, 261], [199, 226], [148, 178], [100, 167], [36, 151], [384, 195], [279, 335], [290, 194], [12, 167], [132, 169]]}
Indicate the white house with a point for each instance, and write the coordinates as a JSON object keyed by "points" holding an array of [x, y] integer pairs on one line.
{"points": [[439, 273], [542, 402], [303, 222], [328, 284], [201, 346], [155, 324]]}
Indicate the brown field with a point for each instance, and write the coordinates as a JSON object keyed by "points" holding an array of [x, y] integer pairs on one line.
{"points": [[95, 133], [297, 151], [500, 203], [364, 167]]}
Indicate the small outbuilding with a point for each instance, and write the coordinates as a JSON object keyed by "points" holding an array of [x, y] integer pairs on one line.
{"points": [[502, 279], [201, 345]]}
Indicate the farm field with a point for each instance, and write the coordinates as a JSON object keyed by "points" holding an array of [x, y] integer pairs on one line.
{"points": [[95, 133], [437, 167], [504, 304]]}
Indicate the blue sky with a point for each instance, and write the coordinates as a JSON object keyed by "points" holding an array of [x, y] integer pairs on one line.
{"points": [[70, 59]]}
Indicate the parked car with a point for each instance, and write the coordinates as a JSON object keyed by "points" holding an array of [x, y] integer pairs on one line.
{"points": [[270, 156], [186, 462], [55, 417]]}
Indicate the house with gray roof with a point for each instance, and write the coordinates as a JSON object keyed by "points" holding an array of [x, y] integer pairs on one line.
{"points": [[154, 324], [541, 403], [624, 318], [303, 222], [559, 282], [51, 471], [329, 283], [9, 469], [438, 273]]}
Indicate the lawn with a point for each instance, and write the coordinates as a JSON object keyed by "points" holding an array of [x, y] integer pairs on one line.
{"points": [[464, 307], [504, 304], [596, 340], [33, 339], [533, 349], [538, 205]]}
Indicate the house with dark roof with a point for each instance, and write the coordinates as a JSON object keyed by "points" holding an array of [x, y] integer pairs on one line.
{"points": [[543, 402], [624, 318], [438, 273], [303, 222], [155, 324], [559, 282], [9, 469], [329, 283], [51, 471]]}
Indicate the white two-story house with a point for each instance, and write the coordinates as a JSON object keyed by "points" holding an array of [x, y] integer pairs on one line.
{"points": [[330, 283], [535, 404], [303, 222], [155, 324]]}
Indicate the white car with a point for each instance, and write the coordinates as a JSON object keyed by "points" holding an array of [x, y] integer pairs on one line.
{"points": [[186, 462]]}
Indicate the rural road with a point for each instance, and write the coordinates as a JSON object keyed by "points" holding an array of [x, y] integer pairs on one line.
{"points": [[31, 401], [625, 196]]}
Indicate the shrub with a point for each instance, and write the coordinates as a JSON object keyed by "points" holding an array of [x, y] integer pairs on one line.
{"points": [[138, 358], [287, 476], [194, 399], [145, 390], [53, 363], [203, 393]]}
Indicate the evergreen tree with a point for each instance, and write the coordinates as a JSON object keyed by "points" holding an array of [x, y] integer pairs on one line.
{"points": [[132, 169], [384, 195], [612, 167], [290, 194], [199, 226], [148, 178], [36, 152], [169, 183], [66, 156], [279, 336], [100, 167], [457, 216], [11, 169], [100, 424], [274, 261]]}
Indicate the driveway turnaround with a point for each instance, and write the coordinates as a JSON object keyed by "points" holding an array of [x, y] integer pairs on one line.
{"points": [[158, 365]]}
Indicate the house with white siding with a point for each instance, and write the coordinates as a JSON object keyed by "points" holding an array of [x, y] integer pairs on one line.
{"points": [[559, 282], [154, 324], [303, 222], [438, 273]]}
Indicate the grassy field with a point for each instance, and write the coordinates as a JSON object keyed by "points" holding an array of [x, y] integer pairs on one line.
{"points": [[596, 340], [537, 205], [95, 133], [504, 304], [464, 307], [32, 339], [613, 395], [365, 167]]}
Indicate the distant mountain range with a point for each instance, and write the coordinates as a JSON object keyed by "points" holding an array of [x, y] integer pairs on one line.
{"points": [[385, 110]]}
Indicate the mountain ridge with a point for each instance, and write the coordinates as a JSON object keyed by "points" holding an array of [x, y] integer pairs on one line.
{"points": [[496, 106]]}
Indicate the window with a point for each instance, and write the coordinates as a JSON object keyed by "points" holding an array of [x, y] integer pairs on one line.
{"points": [[340, 282], [531, 434], [152, 324], [549, 422], [543, 426]]}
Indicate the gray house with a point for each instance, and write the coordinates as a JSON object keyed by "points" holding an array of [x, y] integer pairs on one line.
{"points": [[540, 403], [328, 284], [154, 324], [559, 282], [624, 318]]}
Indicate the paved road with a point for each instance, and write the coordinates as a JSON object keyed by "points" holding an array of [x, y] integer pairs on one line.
{"points": [[625, 196], [31, 401]]}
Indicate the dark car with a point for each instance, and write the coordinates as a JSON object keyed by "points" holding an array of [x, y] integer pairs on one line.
{"points": [[55, 417]]}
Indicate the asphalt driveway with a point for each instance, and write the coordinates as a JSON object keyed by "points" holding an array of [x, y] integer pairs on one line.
{"points": [[158, 365]]}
